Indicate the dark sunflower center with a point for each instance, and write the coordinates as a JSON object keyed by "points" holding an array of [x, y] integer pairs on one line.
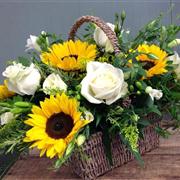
{"points": [[147, 65], [59, 125], [72, 55]]}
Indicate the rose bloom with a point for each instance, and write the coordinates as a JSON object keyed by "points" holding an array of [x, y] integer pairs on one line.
{"points": [[103, 83], [21, 79]]}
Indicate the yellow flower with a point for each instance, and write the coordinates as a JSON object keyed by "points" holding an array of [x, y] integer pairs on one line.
{"points": [[70, 55], [54, 125], [4, 92], [154, 65]]}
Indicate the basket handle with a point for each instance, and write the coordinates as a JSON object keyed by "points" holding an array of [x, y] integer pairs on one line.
{"points": [[100, 23]]}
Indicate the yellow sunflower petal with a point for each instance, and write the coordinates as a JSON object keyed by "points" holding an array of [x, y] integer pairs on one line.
{"points": [[70, 55]]}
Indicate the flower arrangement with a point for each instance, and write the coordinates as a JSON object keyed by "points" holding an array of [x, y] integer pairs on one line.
{"points": [[63, 92]]}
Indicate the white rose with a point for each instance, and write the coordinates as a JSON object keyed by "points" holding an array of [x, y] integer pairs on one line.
{"points": [[53, 81], [6, 117], [21, 79], [101, 38], [154, 93], [103, 83], [176, 62], [32, 43]]}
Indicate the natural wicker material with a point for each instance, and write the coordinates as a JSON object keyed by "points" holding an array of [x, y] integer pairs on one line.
{"points": [[97, 163], [100, 23]]}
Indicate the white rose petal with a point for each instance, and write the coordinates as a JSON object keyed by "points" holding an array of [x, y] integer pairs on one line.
{"points": [[6, 117], [53, 81], [176, 62], [32, 43], [102, 40], [21, 79], [103, 83]]}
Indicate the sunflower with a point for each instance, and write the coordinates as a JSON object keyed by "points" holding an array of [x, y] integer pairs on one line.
{"points": [[54, 125], [70, 55], [156, 62], [4, 92]]}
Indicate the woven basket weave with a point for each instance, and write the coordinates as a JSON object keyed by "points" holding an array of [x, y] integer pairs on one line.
{"points": [[97, 163]]}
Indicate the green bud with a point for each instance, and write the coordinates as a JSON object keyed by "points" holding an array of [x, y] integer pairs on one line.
{"points": [[138, 92], [131, 87], [135, 117], [174, 43], [139, 85], [70, 92], [78, 87], [22, 104], [16, 110], [69, 148], [123, 15], [80, 140], [4, 104], [78, 97]]}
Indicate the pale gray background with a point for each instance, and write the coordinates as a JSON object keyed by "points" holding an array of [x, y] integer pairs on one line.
{"points": [[20, 18]]}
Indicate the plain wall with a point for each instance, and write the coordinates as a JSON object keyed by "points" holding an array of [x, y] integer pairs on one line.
{"points": [[20, 18]]}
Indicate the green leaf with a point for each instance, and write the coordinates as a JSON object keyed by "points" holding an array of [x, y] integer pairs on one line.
{"points": [[98, 119]]}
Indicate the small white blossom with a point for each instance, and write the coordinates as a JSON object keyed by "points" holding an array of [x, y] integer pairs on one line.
{"points": [[6, 117], [154, 93], [32, 43], [53, 82]]}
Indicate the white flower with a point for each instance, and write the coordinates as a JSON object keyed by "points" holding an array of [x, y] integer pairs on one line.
{"points": [[21, 79], [176, 62], [6, 117], [88, 116], [32, 43], [154, 93], [174, 43], [101, 38], [103, 83], [53, 81], [80, 139]]}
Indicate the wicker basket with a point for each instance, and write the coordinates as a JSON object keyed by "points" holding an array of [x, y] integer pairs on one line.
{"points": [[97, 163]]}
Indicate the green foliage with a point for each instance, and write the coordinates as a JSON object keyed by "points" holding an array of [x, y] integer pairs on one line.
{"points": [[11, 136]]}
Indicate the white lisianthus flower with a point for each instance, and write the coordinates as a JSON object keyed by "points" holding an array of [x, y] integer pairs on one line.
{"points": [[102, 40], [6, 117], [80, 139], [32, 43], [53, 81], [154, 93], [88, 116], [103, 83], [174, 43], [21, 79], [176, 62]]}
